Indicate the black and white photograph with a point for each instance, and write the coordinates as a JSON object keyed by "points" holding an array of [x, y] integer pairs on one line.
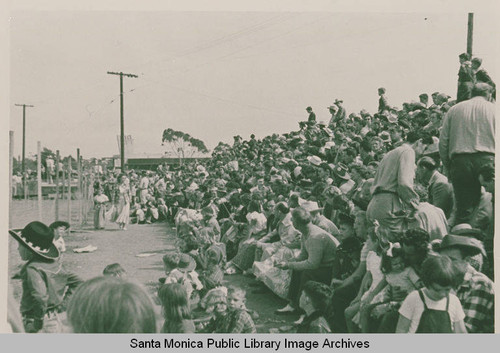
{"points": [[275, 171]]}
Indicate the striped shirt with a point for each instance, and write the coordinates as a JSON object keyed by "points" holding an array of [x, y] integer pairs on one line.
{"points": [[468, 127]]}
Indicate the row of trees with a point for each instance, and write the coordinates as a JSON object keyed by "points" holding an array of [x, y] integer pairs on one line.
{"points": [[182, 144], [179, 143]]}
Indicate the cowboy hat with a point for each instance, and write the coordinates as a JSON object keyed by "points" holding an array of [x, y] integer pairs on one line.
{"points": [[466, 229], [311, 206], [314, 160], [58, 224], [37, 237], [431, 149], [340, 171], [385, 136], [460, 241], [186, 263]]}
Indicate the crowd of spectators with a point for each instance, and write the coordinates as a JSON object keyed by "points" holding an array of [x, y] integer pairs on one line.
{"points": [[368, 223]]}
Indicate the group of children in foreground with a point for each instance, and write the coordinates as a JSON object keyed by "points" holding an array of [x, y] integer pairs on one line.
{"points": [[198, 302]]}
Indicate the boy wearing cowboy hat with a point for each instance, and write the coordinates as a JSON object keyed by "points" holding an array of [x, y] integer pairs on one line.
{"points": [[475, 290], [46, 285]]}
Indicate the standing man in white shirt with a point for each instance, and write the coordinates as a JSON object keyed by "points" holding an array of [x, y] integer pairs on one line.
{"points": [[466, 144], [143, 187]]}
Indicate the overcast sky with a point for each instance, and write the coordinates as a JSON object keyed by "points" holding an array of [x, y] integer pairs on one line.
{"points": [[219, 74]]}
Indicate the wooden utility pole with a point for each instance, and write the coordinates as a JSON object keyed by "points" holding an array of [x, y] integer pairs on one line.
{"points": [[470, 28], [122, 129], [39, 179], [24, 147]]}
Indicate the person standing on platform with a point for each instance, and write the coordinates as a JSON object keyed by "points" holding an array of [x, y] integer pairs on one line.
{"points": [[466, 144], [465, 78], [312, 116]]}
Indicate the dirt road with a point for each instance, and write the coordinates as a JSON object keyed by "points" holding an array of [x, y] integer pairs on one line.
{"points": [[123, 247]]}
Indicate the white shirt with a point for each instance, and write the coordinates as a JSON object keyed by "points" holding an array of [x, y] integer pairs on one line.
{"points": [[412, 308], [144, 183]]}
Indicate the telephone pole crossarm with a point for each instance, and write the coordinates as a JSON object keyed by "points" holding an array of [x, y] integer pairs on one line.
{"points": [[122, 128]]}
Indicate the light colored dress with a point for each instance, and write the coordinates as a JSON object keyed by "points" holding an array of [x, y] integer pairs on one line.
{"points": [[123, 207], [373, 261], [100, 211]]}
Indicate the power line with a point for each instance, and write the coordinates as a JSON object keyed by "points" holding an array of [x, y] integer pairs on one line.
{"points": [[225, 99], [222, 40]]}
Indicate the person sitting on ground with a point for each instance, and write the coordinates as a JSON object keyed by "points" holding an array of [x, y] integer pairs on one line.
{"points": [[162, 210], [314, 301], [114, 270], [152, 213], [137, 212], [321, 221], [373, 276], [284, 235], [315, 261], [475, 291], [175, 309], [433, 309], [396, 275], [182, 269], [111, 305], [211, 275], [256, 229], [230, 314]]}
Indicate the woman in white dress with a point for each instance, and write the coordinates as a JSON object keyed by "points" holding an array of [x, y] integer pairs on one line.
{"points": [[100, 201], [123, 207]]}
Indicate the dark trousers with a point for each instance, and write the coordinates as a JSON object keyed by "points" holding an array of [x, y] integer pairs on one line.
{"points": [[389, 322], [464, 91], [464, 177], [342, 297], [299, 278]]}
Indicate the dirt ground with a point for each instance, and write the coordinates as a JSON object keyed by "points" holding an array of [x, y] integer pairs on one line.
{"points": [[123, 247]]}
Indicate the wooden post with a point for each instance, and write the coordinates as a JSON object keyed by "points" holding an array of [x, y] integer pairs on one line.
{"points": [[57, 186], [11, 156], [39, 180], [79, 187], [84, 196], [69, 190], [63, 184], [470, 28]]}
